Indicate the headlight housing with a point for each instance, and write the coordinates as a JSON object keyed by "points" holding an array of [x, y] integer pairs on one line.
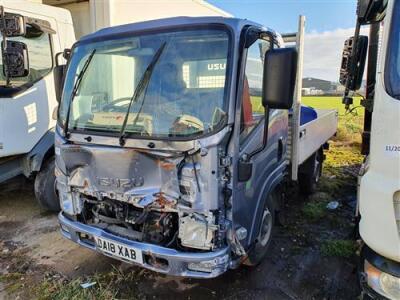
{"points": [[189, 185], [385, 284]]}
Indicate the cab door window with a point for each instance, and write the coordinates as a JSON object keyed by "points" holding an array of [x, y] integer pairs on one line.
{"points": [[40, 57], [252, 108]]}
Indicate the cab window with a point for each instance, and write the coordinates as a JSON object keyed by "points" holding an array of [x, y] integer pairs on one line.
{"points": [[252, 108], [393, 55], [40, 58]]}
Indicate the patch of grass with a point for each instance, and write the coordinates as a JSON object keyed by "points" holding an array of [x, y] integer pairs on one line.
{"points": [[108, 285], [328, 102], [12, 282], [314, 210], [59, 290], [338, 248], [10, 277]]}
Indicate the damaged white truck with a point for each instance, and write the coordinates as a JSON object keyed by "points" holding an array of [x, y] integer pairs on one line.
{"points": [[174, 138]]}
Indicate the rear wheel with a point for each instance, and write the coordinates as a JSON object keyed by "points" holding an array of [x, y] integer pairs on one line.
{"points": [[310, 173], [45, 186], [263, 241]]}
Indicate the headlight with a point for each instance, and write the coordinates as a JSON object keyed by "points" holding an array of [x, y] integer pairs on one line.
{"points": [[188, 185], [67, 203], [383, 283], [195, 231], [70, 202]]}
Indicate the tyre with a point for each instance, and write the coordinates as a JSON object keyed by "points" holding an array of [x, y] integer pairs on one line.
{"points": [[310, 173], [263, 241], [45, 186]]}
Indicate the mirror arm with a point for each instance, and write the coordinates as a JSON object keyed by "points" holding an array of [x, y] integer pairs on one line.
{"points": [[247, 157]]}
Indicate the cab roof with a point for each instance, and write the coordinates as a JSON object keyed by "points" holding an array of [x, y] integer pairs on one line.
{"points": [[234, 23]]}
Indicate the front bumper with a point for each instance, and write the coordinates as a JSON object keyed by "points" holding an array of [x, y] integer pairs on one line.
{"points": [[174, 262]]}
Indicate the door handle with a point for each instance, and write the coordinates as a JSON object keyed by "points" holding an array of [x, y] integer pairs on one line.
{"points": [[280, 148]]}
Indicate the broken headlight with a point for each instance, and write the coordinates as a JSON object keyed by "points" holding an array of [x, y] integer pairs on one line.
{"points": [[197, 231], [189, 185], [70, 202]]}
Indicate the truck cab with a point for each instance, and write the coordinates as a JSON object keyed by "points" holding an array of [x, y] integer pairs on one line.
{"points": [[173, 140], [27, 101], [379, 179]]}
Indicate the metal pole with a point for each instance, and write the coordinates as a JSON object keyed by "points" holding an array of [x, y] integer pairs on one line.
{"points": [[297, 99]]}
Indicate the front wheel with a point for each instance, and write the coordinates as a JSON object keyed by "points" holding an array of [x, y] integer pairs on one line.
{"points": [[263, 241], [45, 186]]}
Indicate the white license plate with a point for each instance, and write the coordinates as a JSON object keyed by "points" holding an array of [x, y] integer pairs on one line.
{"points": [[119, 250]]}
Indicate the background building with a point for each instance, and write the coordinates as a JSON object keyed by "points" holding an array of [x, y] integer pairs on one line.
{"points": [[314, 86]]}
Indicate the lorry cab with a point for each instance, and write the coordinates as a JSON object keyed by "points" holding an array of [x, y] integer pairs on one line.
{"points": [[27, 101], [378, 194], [172, 139]]}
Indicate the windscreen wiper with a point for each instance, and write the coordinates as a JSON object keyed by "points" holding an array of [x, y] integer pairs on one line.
{"points": [[142, 85], [76, 88]]}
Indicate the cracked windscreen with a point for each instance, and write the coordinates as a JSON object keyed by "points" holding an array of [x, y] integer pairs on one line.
{"points": [[183, 94]]}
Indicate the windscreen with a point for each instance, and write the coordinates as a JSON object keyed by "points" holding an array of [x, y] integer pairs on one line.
{"points": [[393, 56], [181, 96]]}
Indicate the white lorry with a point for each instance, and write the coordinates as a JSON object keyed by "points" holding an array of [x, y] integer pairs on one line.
{"points": [[379, 180], [28, 98]]}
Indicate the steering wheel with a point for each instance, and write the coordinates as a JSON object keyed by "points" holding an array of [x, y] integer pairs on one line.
{"points": [[113, 107]]}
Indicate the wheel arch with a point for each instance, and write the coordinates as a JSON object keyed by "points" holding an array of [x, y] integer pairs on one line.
{"points": [[271, 183], [43, 150]]}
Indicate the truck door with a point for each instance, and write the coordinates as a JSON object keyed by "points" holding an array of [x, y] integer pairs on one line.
{"points": [[249, 195], [26, 106]]}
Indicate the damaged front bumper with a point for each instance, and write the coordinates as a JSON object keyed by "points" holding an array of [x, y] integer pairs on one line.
{"points": [[156, 258]]}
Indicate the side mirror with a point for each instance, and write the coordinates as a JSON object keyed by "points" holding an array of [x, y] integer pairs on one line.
{"points": [[352, 67], [13, 25], [371, 11], [280, 67], [15, 54], [58, 73]]}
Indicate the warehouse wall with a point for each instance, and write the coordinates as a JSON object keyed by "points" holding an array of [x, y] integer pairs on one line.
{"points": [[92, 15], [125, 11]]}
